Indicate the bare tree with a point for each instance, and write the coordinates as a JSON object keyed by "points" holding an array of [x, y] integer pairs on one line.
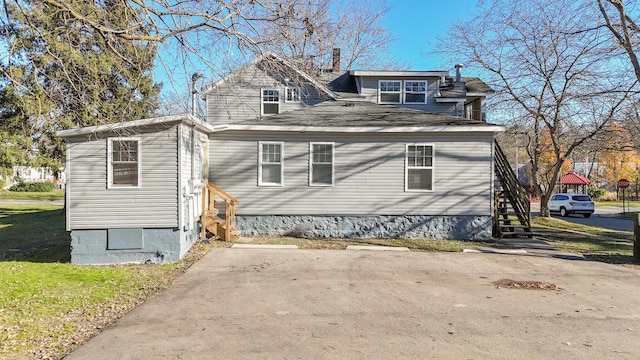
{"points": [[560, 84], [624, 28]]}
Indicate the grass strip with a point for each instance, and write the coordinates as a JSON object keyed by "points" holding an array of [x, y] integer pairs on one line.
{"points": [[42, 196]]}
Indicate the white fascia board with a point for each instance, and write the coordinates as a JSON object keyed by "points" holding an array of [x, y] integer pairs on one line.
{"points": [[444, 99], [435, 73], [406, 129], [184, 118]]}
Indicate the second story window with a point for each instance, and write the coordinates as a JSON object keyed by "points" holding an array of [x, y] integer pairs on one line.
{"points": [[415, 92], [270, 101], [389, 92], [292, 94]]}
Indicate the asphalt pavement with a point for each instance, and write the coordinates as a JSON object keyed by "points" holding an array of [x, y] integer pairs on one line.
{"points": [[604, 216], [342, 304]]}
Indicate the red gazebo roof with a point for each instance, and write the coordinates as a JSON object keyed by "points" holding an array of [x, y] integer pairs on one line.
{"points": [[573, 178]]}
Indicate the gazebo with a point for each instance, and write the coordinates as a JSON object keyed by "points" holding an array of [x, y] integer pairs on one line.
{"points": [[574, 179]]}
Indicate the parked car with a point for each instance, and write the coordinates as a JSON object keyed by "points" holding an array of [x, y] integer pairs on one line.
{"points": [[567, 204]]}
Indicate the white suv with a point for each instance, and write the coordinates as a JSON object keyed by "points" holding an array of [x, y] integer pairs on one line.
{"points": [[567, 204]]}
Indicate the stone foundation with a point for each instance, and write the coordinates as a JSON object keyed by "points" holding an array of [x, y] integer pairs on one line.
{"points": [[405, 226]]}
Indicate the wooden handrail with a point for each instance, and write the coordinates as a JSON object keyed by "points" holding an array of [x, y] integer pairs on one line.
{"points": [[223, 194]]}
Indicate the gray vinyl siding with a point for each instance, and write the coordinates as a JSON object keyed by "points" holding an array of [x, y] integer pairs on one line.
{"points": [[369, 89], [239, 97], [92, 206], [369, 173]]}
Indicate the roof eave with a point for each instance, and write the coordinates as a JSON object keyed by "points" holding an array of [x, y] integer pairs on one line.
{"points": [[114, 127], [368, 129]]}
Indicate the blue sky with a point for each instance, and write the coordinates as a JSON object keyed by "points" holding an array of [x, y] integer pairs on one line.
{"points": [[417, 23]]}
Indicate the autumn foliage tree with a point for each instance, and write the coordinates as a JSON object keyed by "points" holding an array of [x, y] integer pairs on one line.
{"points": [[618, 158]]}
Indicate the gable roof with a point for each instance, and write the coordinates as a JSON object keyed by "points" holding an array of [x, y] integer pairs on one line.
{"points": [[273, 57], [162, 120], [358, 116]]}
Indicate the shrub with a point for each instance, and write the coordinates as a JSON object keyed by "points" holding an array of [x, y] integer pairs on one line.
{"points": [[45, 186], [597, 193]]}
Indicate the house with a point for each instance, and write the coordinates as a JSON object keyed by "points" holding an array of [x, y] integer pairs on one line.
{"points": [[360, 154], [134, 189], [304, 152]]}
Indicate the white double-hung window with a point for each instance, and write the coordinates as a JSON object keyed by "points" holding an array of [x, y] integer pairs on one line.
{"points": [[270, 101], [321, 164], [419, 167], [123, 168], [415, 92], [389, 91], [270, 163], [402, 91]]}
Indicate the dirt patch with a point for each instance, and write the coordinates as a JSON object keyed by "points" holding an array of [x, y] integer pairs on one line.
{"points": [[535, 285]]}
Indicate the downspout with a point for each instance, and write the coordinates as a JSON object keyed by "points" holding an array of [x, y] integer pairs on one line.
{"points": [[194, 92]]}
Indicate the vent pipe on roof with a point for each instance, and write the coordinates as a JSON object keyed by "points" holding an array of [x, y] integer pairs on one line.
{"points": [[458, 74], [336, 60]]}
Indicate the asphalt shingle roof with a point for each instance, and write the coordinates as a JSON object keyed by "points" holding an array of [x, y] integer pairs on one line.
{"points": [[360, 114]]}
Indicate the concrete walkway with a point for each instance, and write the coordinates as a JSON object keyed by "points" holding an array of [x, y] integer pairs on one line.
{"points": [[340, 304]]}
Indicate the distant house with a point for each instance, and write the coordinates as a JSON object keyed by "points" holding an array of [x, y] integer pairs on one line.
{"points": [[324, 154]]}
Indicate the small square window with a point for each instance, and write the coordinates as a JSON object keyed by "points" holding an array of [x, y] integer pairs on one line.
{"points": [[292, 94]]}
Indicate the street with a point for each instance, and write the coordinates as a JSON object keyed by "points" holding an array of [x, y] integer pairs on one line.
{"points": [[605, 217]]}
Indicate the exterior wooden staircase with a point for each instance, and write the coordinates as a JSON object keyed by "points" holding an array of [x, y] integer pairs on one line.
{"points": [[212, 224], [510, 199]]}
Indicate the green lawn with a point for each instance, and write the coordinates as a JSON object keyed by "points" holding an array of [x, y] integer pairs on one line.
{"points": [[607, 245], [631, 204], [33, 232], [45, 196], [48, 306]]}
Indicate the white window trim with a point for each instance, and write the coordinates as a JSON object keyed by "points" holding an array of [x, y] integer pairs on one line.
{"points": [[404, 92], [432, 167], [260, 163], [110, 184], [333, 156], [390, 92], [262, 102], [286, 94]]}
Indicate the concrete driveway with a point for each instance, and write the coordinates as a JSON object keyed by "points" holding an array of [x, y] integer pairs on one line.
{"points": [[342, 304]]}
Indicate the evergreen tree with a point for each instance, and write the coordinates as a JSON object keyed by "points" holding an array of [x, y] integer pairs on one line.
{"points": [[62, 72]]}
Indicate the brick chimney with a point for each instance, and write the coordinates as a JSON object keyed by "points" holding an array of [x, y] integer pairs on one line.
{"points": [[336, 60]]}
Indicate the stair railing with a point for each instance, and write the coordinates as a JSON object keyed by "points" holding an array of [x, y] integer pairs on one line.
{"points": [[516, 195], [209, 193]]}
